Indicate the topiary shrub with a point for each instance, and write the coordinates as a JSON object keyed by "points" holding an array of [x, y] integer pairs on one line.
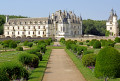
{"points": [[42, 48], [92, 42], [87, 41], [39, 55], [30, 60], [30, 44], [97, 44], [12, 44], [88, 52], [25, 43], [108, 63], [117, 40], [13, 71], [3, 76], [81, 49], [80, 43], [89, 60], [19, 49]]}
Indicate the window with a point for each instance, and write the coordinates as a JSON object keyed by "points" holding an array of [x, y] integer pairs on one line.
{"points": [[43, 27], [12, 32], [39, 32], [38, 27], [110, 28], [18, 27], [8, 33], [23, 33], [78, 27], [25, 23], [34, 27], [28, 27], [61, 28], [18, 33], [33, 33], [78, 32], [13, 28], [8, 28], [29, 32], [20, 23], [43, 33]]}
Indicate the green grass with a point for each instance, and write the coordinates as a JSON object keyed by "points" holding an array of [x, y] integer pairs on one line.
{"points": [[87, 73], [38, 73]]}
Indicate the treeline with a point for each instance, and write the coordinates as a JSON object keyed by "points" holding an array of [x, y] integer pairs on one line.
{"points": [[95, 27], [2, 21]]}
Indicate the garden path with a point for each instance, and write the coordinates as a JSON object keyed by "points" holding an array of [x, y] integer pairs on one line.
{"points": [[61, 68]]}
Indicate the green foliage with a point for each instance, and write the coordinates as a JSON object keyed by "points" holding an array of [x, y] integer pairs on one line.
{"points": [[94, 27], [87, 41], [12, 44], [117, 40], [7, 42], [30, 44], [25, 43], [35, 42], [41, 42], [81, 49], [107, 33], [42, 48], [89, 60], [13, 71], [3, 76], [92, 42], [18, 41], [19, 49], [30, 60], [39, 55], [97, 44], [108, 63], [62, 40], [80, 43], [88, 52]]}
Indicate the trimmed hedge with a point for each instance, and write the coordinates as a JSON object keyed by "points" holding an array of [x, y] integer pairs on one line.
{"points": [[97, 44], [117, 40], [19, 49], [89, 60], [30, 60], [13, 71], [108, 63], [80, 43], [25, 43], [12, 44]]}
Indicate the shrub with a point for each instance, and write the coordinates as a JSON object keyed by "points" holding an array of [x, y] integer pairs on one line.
{"points": [[108, 63], [42, 48], [18, 41], [88, 52], [12, 44], [30, 60], [7, 42], [41, 42], [62, 39], [97, 44], [117, 40], [3, 76], [19, 49], [80, 43], [14, 70], [30, 44], [87, 41], [89, 60], [35, 42], [47, 42], [39, 55], [25, 43], [81, 49], [110, 43], [92, 42]]}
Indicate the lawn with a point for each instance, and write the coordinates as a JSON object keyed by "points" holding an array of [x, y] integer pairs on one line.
{"points": [[38, 73]]}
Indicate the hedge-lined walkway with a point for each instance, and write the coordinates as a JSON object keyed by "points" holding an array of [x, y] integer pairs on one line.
{"points": [[61, 68]]}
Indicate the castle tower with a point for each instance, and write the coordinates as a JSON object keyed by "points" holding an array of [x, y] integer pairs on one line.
{"points": [[112, 24], [7, 18]]}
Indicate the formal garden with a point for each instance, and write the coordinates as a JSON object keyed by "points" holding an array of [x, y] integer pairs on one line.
{"points": [[25, 61], [97, 60]]}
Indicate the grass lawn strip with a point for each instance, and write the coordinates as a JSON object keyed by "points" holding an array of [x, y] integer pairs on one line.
{"points": [[38, 73]]}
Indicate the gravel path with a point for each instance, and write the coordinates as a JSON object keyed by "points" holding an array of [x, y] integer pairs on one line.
{"points": [[61, 68]]}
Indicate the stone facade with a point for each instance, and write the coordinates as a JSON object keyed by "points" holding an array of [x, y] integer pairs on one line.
{"points": [[112, 24], [59, 24]]}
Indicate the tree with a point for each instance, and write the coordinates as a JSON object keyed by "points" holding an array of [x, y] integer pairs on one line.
{"points": [[5, 46], [107, 33], [13, 44], [97, 44], [108, 63], [30, 44]]}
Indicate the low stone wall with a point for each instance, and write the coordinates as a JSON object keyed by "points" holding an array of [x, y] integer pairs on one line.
{"points": [[89, 38], [23, 39]]}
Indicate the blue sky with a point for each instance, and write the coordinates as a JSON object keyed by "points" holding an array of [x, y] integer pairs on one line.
{"points": [[89, 9]]}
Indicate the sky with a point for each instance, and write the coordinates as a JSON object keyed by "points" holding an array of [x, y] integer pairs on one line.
{"points": [[88, 9]]}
